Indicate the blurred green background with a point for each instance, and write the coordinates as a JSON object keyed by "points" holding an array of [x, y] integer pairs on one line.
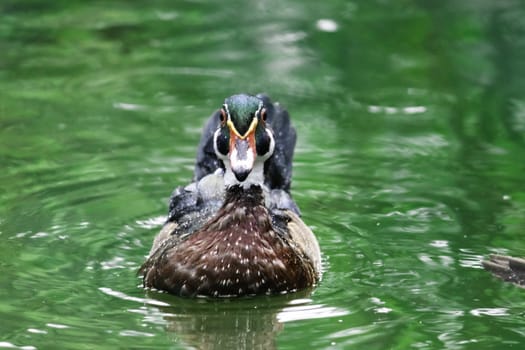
{"points": [[409, 167]]}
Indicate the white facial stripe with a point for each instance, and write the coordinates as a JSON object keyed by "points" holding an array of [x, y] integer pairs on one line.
{"points": [[227, 111], [215, 136], [219, 155], [272, 145]]}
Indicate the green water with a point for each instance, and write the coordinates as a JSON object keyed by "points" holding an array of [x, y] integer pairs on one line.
{"points": [[409, 167]]}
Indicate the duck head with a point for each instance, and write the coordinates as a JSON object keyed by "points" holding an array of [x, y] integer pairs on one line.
{"points": [[243, 140]]}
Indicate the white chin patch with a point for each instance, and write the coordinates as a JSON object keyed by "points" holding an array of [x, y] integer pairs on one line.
{"points": [[243, 164]]}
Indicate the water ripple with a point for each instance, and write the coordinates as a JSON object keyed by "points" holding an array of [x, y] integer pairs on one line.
{"points": [[123, 296], [308, 312]]}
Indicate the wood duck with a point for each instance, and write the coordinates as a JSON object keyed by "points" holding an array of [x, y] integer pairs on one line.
{"points": [[508, 268], [235, 230]]}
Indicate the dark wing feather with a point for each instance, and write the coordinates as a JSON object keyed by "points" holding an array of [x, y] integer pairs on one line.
{"points": [[507, 268], [278, 169], [207, 161]]}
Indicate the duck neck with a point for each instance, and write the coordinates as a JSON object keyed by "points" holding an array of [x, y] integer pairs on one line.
{"points": [[255, 178], [249, 196]]}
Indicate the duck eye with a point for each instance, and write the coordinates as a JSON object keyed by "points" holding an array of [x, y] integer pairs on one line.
{"points": [[263, 114], [222, 116]]}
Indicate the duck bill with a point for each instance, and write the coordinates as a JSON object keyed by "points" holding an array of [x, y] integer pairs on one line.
{"points": [[242, 150], [242, 156]]}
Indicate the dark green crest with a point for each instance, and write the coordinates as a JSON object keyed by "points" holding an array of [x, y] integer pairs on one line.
{"points": [[241, 109]]}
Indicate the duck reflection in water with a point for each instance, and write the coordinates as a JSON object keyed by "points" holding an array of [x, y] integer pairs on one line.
{"points": [[236, 230], [247, 323]]}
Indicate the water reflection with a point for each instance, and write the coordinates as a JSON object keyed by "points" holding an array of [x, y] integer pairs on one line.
{"points": [[251, 323], [213, 328]]}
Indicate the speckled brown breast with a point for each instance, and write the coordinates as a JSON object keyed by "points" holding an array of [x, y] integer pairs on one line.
{"points": [[238, 252]]}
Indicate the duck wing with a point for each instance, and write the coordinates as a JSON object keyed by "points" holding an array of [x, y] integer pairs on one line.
{"points": [[507, 268], [207, 161], [278, 169]]}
